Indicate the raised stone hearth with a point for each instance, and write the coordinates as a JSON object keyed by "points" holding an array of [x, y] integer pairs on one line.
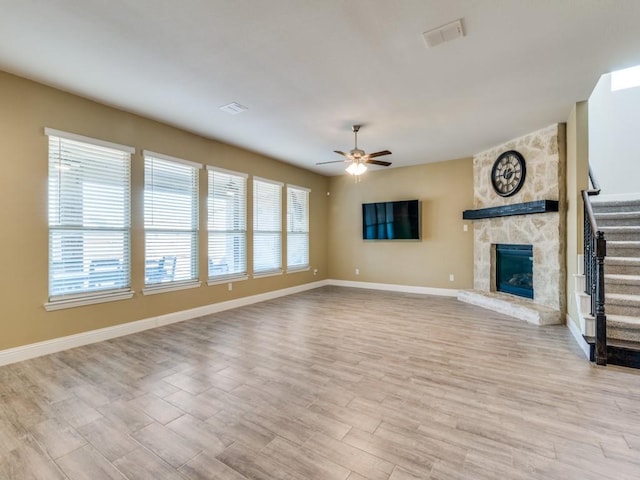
{"points": [[520, 308], [544, 153]]}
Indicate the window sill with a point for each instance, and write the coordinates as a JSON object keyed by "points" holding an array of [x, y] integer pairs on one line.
{"points": [[304, 268], [228, 279], [174, 287], [271, 273], [88, 300]]}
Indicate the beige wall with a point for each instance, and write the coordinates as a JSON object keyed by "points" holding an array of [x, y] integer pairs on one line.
{"points": [[445, 189], [577, 180], [27, 108]]}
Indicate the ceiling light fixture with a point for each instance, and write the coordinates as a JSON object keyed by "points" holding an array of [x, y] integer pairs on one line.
{"points": [[356, 168], [357, 158]]}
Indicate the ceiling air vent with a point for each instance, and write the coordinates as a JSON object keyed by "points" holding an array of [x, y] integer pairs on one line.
{"points": [[234, 108], [442, 34]]}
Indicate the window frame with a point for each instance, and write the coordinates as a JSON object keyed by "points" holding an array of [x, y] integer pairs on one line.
{"points": [[294, 230], [172, 284], [87, 295], [257, 233], [238, 274]]}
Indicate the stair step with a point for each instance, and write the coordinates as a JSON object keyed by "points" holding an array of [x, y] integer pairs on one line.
{"points": [[623, 327], [623, 304], [619, 327], [580, 282], [626, 248], [621, 233], [619, 352], [605, 206], [612, 219], [625, 284], [625, 321], [622, 265]]}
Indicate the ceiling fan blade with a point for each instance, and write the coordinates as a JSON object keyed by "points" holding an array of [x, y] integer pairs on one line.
{"points": [[377, 162], [332, 161], [340, 153], [379, 154]]}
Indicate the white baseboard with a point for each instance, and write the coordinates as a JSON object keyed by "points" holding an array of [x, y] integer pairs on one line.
{"points": [[25, 352], [442, 292], [577, 335]]}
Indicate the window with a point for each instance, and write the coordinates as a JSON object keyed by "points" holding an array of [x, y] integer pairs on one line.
{"points": [[170, 221], [267, 227], [89, 219], [227, 224], [627, 78], [297, 228]]}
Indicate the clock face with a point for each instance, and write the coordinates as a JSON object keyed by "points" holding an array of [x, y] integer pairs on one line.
{"points": [[508, 172]]}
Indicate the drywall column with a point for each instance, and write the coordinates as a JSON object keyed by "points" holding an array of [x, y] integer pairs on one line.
{"points": [[577, 180]]}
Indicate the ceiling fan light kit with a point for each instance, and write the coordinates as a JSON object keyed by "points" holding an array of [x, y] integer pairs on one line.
{"points": [[356, 168], [357, 158]]}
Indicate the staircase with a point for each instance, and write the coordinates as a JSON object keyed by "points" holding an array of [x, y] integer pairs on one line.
{"points": [[620, 222]]}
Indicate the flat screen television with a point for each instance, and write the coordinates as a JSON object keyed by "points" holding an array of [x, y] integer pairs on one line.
{"points": [[391, 220]]}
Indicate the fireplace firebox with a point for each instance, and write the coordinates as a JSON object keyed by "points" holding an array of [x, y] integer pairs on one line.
{"points": [[514, 269]]}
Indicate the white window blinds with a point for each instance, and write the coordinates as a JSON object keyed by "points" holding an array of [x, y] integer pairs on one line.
{"points": [[227, 224], [170, 220], [297, 228], [89, 216], [267, 226]]}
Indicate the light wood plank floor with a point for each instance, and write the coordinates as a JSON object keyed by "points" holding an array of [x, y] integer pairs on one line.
{"points": [[333, 383]]}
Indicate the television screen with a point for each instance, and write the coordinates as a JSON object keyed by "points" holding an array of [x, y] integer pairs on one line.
{"points": [[391, 220]]}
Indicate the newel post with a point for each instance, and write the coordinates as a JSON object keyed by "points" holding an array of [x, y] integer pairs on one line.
{"points": [[601, 319]]}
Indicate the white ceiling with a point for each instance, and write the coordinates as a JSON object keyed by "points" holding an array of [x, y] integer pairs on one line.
{"points": [[309, 69]]}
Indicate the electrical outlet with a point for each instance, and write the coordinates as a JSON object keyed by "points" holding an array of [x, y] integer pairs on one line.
{"points": [[230, 286], [315, 271], [452, 278], [357, 271]]}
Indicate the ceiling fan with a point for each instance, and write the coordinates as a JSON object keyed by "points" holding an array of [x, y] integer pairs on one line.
{"points": [[358, 159]]}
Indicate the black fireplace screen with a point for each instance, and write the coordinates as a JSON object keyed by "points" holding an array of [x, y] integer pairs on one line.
{"points": [[514, 269]]}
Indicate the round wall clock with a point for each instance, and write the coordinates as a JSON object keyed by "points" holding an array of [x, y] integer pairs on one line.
{"points": [[508, 173]]}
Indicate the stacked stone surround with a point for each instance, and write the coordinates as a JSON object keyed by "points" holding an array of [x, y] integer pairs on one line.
{"points": [[544, 152]]}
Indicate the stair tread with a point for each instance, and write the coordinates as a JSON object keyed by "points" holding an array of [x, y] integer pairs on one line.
{"points": [[632, 213], [624, 243], [622, 260], [622, 277], [631, 321], [620, 228], [623, 296], [615, 317], [615, 199], [602, 201]]}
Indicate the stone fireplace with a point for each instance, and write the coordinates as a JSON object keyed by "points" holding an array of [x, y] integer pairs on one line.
{"points": [[542, 230]]}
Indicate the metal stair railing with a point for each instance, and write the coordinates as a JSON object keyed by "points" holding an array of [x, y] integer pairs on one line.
{"points": [[595, 249]]}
